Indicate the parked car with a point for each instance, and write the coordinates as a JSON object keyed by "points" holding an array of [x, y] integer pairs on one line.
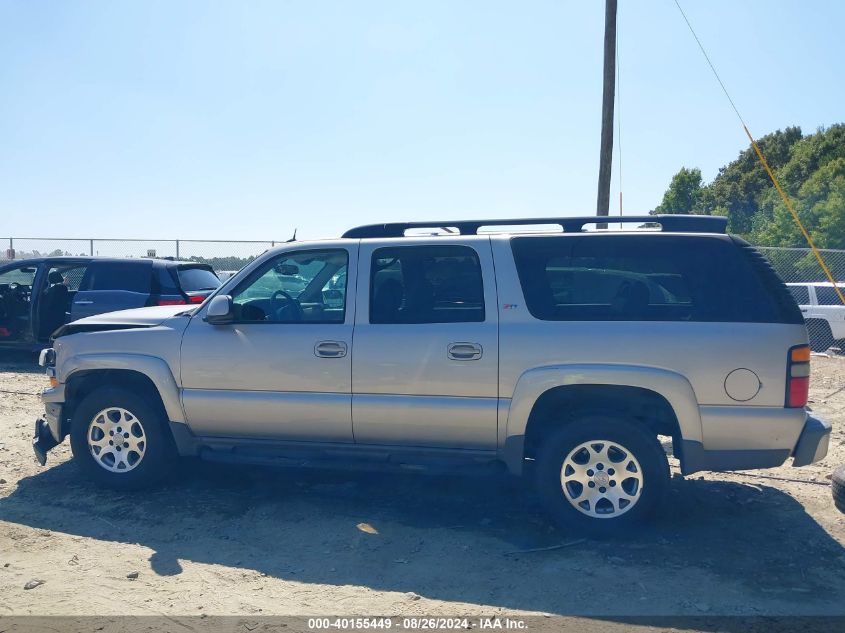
{"points": [[37, 296], [224, 275], [823, 312], [560, 357]]}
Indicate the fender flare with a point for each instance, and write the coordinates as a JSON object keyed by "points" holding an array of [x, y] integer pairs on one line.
{"points": [[672, 386], [154, 368]]}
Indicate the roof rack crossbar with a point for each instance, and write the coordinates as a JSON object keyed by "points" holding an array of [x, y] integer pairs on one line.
{"points": [[669, 223]]}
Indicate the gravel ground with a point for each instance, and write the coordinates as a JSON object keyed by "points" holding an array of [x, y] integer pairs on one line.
{"points": [[252, 541]]}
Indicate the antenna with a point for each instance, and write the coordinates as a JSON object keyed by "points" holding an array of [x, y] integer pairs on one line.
{"points": [[292, 239]]}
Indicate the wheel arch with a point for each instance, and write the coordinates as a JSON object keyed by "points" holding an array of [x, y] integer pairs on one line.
{"points": [[84, 373], [661, 398]]}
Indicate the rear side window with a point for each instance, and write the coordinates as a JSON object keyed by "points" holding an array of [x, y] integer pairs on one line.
{"points": [[129, 276], [801, 294], [196, 278], [827, 296], [426, 284], [640, 278]]}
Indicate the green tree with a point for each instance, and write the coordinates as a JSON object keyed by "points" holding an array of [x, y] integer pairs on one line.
{"points": [[683, 193], [810, 168]]}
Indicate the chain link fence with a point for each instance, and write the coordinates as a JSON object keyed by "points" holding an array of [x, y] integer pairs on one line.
{"points": [[222, 255], [823, 310]]}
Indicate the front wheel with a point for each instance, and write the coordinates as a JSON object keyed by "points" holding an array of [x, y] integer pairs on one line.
{"points": [[119, 439], [601, 475]]}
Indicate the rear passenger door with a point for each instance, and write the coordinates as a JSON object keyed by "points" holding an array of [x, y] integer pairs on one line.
{"points": [[109, 286], [425, 352]]}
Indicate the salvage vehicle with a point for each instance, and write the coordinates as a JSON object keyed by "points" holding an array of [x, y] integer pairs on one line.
{"points": [[39, 295], [562, 357]]}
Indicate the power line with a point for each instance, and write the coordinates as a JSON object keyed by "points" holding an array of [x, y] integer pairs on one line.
{"points": [[786, 199], [709, 63]]}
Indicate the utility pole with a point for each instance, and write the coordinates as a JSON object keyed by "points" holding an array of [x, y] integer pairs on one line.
{"points": [[608, 97]]}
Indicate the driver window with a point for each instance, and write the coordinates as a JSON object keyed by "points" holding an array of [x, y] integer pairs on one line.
{"points": [[297, 287]]}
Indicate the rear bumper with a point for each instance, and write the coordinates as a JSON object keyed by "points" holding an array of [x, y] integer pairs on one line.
{"points": [[812, 443], [811, 446]]}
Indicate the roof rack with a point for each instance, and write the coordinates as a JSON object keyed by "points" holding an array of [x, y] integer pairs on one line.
{"points": [[669, 223]]}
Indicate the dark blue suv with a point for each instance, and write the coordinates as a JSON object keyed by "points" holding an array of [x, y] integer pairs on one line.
{"points": [[37, 296]]}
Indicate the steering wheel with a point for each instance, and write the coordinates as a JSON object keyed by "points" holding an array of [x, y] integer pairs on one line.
{"points": [[276, 304]]}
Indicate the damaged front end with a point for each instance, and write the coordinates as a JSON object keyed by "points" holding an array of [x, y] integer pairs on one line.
{"points": [[49, 430]]}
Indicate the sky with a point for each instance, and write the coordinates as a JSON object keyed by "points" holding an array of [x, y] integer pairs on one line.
{"points": [[247, 120]]}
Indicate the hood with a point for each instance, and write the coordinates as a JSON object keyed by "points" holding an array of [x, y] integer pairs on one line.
{"points": [[122, 320]]}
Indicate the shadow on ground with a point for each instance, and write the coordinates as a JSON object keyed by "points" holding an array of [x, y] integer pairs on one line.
{"points": [[454, 539]]}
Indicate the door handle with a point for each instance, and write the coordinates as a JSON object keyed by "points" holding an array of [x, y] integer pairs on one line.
{"points": [[464, 351], [330, 349], [82, 303]]}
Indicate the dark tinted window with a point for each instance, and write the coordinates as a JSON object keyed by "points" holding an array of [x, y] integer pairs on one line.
{"points": [[640, 278], [827, 296], [192, 279], [131, 276], [801, 294], [426, 284]]}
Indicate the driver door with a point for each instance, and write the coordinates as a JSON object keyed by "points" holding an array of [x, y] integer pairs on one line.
{"points": [[282, 370]]}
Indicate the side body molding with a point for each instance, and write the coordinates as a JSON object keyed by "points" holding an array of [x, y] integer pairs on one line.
{"points": [[156, 369], [533, 383]]}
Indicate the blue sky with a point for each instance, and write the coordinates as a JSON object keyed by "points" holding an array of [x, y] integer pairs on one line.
{"points": [[243, 120]]}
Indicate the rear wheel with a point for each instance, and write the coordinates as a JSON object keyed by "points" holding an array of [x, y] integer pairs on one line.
{"points": [[601, 475], [119, 439]]}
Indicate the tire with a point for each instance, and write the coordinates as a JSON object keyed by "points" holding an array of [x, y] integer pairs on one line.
{"points": [[838, 488], [821, 337], [641, 493], [148, 452]]}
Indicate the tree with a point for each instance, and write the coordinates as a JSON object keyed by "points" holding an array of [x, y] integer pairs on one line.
{"points": [[811, 170], [820, 203], [683, 194]]}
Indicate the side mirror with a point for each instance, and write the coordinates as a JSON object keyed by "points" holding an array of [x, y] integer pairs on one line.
{"points": [[219, 311]]}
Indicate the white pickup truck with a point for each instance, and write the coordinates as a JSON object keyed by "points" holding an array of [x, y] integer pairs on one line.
{"points": [[823, 313]]}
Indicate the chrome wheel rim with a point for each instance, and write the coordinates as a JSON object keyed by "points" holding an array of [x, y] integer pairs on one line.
{"points": [[601, 479], [117, 440]]}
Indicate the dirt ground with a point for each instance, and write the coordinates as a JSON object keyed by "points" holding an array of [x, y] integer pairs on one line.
{"points": [[250, 541]]}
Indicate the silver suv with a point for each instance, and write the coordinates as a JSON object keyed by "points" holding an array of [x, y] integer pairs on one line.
{"points": [[561, 356]]}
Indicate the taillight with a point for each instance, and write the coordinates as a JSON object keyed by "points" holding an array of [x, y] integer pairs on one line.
{"points": [[197, 299], [797, 376], [171, 302]]}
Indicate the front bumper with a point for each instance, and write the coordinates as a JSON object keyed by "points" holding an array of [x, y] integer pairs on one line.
{"points": [[49, 430], [812, 443], [43, 440]]}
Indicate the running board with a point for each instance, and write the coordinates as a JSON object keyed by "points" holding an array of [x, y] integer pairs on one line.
{"points": [[357, 458]]}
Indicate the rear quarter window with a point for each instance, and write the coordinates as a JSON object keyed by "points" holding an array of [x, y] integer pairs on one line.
{"points": [[641, 278], [827, 296], [128, 276]]}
